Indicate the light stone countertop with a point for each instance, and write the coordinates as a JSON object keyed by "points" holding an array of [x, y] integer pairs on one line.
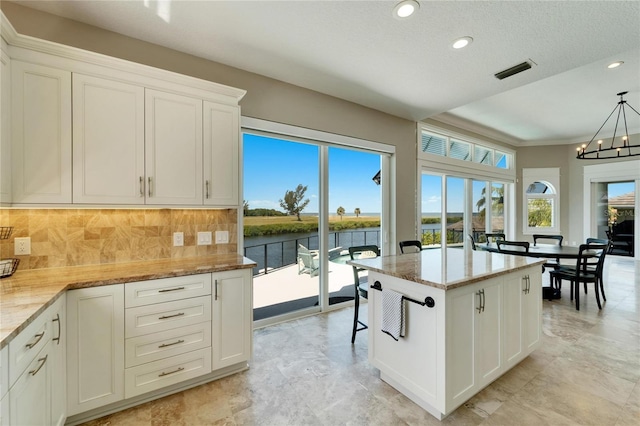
{"points": [[26, 294], [446, 269]]}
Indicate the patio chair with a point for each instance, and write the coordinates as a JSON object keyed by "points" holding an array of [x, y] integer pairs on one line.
{"points": [[307, 261], [360, 283]]}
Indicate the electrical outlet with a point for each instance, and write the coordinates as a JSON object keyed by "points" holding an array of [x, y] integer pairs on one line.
{"points": [[22, 246], [204, 238], [222, 237], [178, 239]]}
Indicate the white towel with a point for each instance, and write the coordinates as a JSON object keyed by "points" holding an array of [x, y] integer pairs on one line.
{"points": [[392, 313]]}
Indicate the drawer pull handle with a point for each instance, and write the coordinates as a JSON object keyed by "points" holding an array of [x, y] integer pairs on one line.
{"points": [[179, 314], [206, 183], [38, 338], [141, 186], [150, 187], [164, 290], [57, 339], [170, 372], [164, 345], [42, 361]]}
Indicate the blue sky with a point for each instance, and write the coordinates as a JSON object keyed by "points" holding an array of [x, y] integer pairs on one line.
{"points": [[273, 166]]}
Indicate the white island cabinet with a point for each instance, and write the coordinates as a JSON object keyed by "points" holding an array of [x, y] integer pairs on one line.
{"points": [[478, 314]]}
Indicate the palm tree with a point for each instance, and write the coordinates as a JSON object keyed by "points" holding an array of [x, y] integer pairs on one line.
{"points": [[357, 212], [497, 200], [340, 212]]}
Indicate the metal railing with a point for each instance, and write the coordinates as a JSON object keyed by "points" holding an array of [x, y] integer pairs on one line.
{"points": [[278, 254]]}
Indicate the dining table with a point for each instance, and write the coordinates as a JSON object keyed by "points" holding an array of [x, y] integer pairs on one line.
{"points": [[547, 251]]}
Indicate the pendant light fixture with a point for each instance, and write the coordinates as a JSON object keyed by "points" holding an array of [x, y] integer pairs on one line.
{"points": [[621, 147]]}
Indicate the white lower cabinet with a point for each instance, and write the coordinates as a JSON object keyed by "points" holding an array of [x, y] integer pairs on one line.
{"points": [[232, 317], [523, 309], [38, 383], [127, 340], [95, 347], [29, 397], [4, 411], [469, 337], [57, 316]]}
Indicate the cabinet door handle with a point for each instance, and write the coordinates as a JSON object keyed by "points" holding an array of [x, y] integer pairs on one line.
{"points": [[179, 314], [57, 339], [150, 192], [525, 290], [483, 300], [164, 290], [206, 184], [38, 338], [479, 294], [170, 372], [41, 361], [141, 186], [164, 345], [216, 290]]}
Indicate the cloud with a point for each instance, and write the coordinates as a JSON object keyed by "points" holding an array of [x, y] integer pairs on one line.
{"points": [[432, 200]]}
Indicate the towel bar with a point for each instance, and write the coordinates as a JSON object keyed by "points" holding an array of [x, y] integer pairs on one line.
{"points": [[429, 302]]}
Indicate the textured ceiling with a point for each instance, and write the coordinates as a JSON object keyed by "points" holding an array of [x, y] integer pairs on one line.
{"points": [[357, 51]]}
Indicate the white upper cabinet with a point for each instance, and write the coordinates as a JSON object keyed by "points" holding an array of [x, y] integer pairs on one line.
{"points": [[221, 154], [5, 129], [173, 148], [108, 141], [121, 134], [41, 133]]}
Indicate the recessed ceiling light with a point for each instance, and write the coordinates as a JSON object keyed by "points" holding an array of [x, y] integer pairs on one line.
{"points": [[462, 42], [615, 64], [405, 8]]}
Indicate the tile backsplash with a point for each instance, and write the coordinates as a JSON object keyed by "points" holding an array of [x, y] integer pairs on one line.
{"points": [[72, 237]]}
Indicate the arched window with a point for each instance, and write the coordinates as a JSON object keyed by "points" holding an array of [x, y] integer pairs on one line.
{"points": [[541, 201]]}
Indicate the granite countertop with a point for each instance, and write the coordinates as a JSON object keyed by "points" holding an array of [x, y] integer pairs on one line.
{"points": [[26, 294], [446, 269]]}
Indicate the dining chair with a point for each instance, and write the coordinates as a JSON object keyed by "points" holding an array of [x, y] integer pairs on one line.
{"points": [[473, 242], [557, 240], [360, 283], [410, 243], [513, 247], [591, 265], [497, 236], [582, 273]]}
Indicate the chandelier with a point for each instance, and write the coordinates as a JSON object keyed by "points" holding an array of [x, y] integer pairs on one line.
{"points": [[623, 147]]}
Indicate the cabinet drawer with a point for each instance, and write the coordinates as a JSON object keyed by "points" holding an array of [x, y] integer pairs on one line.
{"points": [[152, 347], [24, 348], [158, 374], [164, 316], [166, 290]]}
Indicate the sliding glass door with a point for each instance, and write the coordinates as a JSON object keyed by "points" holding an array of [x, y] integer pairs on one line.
{"points": [[305, 203], [281, 223], [355, 207], [615, 214]]}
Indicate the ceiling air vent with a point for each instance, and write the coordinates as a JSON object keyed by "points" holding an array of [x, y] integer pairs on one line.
{"points": [[513, 70]]}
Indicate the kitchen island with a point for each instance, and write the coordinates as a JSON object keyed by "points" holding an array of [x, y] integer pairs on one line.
{"points": [[470, 316]]}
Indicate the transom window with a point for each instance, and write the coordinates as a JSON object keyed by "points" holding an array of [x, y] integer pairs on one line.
{"points": [[433, 143]]}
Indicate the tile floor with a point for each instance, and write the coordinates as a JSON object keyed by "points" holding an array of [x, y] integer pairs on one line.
{"points": [[306, 372]]}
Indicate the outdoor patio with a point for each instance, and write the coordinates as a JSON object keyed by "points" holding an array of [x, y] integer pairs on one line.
{"points": [[283, 285]]}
